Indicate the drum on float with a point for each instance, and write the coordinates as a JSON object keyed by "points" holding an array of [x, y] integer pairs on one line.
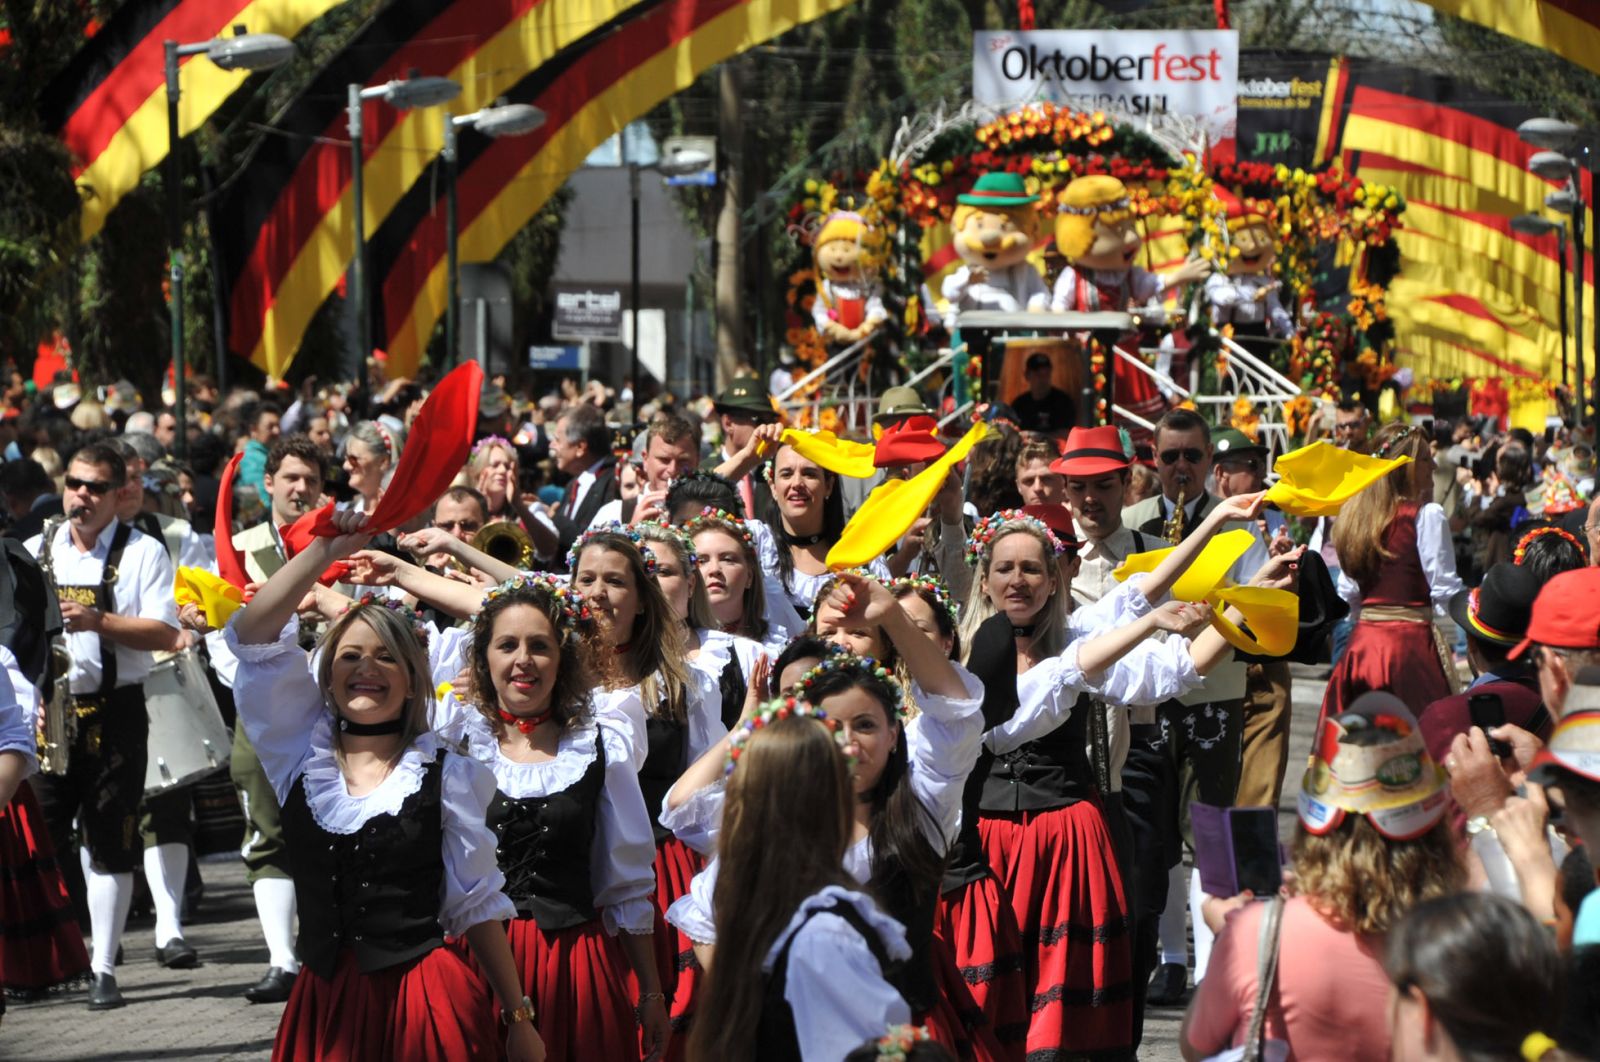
{"points": [[188, 739]]}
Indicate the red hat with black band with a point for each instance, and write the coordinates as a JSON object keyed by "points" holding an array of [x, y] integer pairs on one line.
{"points": [[1092, 452], [913, 441], [1058, 518], [1566, 614]]}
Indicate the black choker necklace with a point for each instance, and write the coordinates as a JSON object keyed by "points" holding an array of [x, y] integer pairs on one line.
{"points": [[1023, 632], [392, 726], [805, 540]]}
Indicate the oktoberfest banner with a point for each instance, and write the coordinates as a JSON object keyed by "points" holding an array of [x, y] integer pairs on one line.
{"points": [[109, 105], [1569, 28]]}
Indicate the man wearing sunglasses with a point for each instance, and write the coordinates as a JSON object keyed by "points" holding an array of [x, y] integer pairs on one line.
{"points": [[115, 586]]}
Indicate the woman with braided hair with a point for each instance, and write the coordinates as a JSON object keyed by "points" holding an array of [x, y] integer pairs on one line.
{"points": [[385, 826], [569, 816]]}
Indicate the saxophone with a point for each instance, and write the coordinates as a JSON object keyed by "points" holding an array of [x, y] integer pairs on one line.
{"points": [[58, 727], [1173, 530]]}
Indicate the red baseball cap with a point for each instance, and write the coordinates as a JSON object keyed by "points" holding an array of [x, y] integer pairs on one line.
{"points": [[909, 442], [1092, 452], [1566, 614], [1058, 518]]}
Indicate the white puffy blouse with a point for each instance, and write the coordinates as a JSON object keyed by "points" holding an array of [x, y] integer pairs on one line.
{"points": [[282, 709]]}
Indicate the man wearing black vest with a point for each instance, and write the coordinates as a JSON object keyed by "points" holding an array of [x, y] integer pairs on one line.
{"points": [[115, 587]]}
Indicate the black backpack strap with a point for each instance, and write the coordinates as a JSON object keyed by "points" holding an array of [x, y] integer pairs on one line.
{"points": [[107, 602]]}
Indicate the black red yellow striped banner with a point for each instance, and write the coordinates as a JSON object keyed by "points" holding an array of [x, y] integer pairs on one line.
{"points": [[291, 236], [109, 106], [587, 96], [1569, 28]]}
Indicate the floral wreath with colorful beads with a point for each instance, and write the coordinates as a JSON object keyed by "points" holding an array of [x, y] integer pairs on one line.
{"points": [[785, 707], [676, 534], [861, 665], [897, 1044], [419, 625], [1521, 552], [574, 610], [983, 534], [720, 520], [933, 585], [491, 440], [612, 528]]}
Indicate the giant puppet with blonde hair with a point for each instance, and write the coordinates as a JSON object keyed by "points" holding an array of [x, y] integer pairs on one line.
{"points": [[1243, 292], [849, 303], [996, 225], [1096, 233]]}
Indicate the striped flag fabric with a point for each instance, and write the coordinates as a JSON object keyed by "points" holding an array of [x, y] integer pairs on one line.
{"points": [[1569, 28]]}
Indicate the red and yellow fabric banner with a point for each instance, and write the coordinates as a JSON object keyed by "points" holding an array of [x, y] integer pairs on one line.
{"points": [[587, 94], [1569, 28], [109, 106]]}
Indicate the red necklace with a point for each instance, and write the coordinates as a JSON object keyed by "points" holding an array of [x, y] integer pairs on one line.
{"points": [[623, 648], [526, 724]]}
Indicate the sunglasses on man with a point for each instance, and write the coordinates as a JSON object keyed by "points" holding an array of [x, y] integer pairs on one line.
{"points": [[1192, 454], [98, 487]]}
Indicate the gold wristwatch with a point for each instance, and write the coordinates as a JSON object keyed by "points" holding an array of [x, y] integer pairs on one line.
{"points": [[522, 1013]]}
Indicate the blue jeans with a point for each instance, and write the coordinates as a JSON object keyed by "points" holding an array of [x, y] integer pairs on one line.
{"points": [[1341, 637]]}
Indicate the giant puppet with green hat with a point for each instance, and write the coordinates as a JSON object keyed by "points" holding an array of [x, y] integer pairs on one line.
{"points": [[996, 225]]}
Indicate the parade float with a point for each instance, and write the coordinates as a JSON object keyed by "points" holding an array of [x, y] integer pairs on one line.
{"points": [[1313, 252]]}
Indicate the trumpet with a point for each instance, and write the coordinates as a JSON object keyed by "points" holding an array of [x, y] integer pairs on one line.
{"points": [[506, 542]]}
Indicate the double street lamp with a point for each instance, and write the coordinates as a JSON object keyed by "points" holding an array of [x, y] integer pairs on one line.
{"points": [[243, 51], [1554, 162], [503, 119], [405, 95]]}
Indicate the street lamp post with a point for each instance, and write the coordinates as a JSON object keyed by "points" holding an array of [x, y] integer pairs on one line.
{"points": [[401, 95], [243, 51], [1534, 225], [503, 119], [679, 164], [1554, 162]]}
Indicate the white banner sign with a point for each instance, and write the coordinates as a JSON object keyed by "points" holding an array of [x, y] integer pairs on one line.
{"points": [[1129, 74]]}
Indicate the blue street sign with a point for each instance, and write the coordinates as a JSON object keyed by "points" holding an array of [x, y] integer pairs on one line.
{"points": [[564, 358]]}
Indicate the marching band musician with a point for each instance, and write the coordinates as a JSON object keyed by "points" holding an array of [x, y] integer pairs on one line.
{"points": [[115, 586]]}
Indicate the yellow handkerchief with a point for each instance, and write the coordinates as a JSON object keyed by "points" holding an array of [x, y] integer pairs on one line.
{"points": [[824, 448], [1316, 480], [217, 598], [1273, 615], [894, 506]]}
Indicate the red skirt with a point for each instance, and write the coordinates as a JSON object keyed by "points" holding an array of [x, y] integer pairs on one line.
{"points": [[41, 946], [956, 1021], [1059, 871], [977, 928], [676, 865], [1398, 656], [431, 1009], [578, 979]]}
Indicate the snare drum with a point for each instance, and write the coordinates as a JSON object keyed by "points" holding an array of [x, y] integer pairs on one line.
{"points": [[188, 739]]}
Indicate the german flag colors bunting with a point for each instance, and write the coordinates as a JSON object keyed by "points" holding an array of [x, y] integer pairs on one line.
{"points": [[1570, 28]]}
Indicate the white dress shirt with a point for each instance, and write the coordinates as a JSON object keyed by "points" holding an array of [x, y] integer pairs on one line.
{"points": [[143, 590]]}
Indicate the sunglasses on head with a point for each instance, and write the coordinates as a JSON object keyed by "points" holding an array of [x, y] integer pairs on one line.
{"points": [[98, 487], [1192, 454]]}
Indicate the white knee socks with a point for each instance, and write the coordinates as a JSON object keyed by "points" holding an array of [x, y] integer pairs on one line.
{"points": [[1174, 942], [1202, 932], [166, 868], [275, 908], [109, 897]]}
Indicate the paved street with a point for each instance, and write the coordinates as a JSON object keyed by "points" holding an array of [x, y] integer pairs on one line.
{"points": [[199, 1014]]}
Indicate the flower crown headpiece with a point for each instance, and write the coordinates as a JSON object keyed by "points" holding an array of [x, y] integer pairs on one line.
{"points": [[983, 534], [1393, 443], [897, 1044], [786, 707], [860, 665], [721, 520], [1521, 552], [388, 439], [612, 528], [419, 626], [932, 584], [488, 441], [574, 610], [678, 535]]}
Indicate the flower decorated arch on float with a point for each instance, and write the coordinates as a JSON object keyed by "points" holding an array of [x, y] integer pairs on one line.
{"points": [[1335, 232]]}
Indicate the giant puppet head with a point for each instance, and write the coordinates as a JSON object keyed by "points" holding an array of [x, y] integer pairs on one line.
{"points": [[844, 253], [995, 223], [1094, 224], [1250, 234], [839, 250]]}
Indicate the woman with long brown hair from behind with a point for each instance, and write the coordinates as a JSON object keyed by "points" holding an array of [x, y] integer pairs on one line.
{"points": [[799, 970], [1396, 563]]}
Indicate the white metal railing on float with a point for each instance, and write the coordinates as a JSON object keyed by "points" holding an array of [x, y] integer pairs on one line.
{"points": [[838, 384], [1246, 375]]}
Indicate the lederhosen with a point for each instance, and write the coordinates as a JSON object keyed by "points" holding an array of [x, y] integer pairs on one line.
{"points": [[104, 783], [776, 1037]]}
